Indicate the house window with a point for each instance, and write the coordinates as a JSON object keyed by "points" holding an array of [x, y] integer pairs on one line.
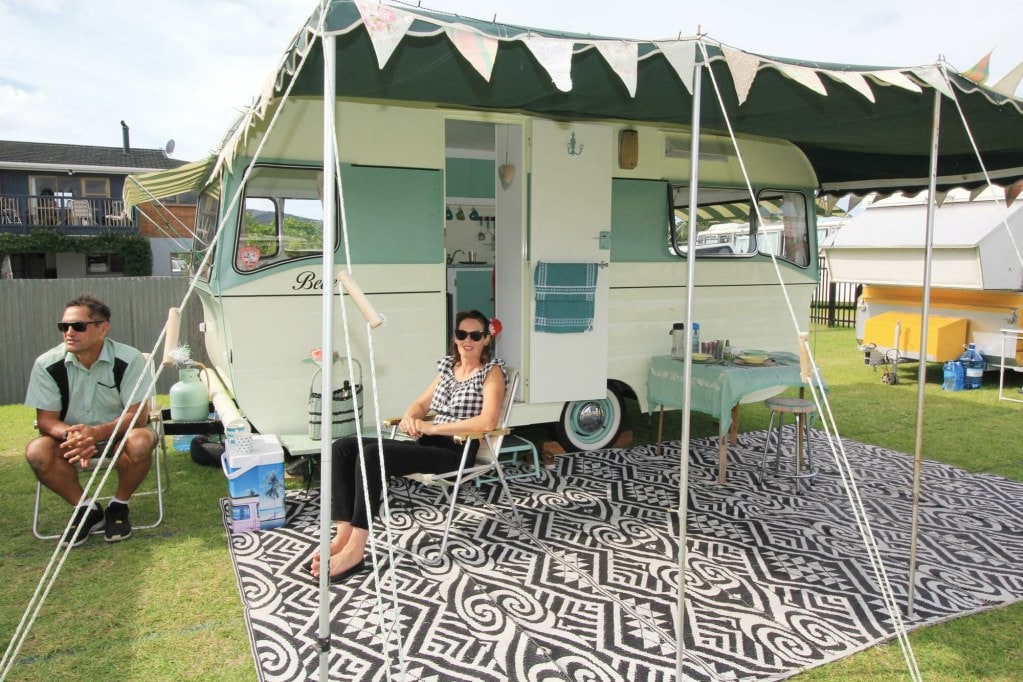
{"points": [[104, 264], [95, 187]]}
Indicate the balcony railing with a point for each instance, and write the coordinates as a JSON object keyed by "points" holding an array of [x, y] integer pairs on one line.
{"points": [[23, 213]]}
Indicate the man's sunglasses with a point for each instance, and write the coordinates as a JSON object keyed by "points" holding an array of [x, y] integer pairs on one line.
{"points": [[77, 326], [461, 335]]}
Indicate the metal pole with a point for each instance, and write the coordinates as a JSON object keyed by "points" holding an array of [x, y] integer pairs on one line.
{"points": [[922, 379], [326, 375], [683, 493]]}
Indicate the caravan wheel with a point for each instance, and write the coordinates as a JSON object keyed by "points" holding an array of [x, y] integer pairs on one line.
{"points": [[590, 424]]}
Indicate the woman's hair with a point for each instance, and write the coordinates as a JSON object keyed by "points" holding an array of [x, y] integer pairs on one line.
{"points": [[488, 350]]}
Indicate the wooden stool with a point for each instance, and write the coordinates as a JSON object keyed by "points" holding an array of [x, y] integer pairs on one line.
{"points": [[803, 410]]}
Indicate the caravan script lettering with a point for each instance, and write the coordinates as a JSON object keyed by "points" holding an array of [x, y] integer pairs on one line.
{"points": [[308, 280]]}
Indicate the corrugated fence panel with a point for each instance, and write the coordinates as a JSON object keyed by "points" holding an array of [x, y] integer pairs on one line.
{"points": [[30, 309]]}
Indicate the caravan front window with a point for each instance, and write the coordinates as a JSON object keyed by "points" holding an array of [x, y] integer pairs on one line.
{"points": [[282, 218]]}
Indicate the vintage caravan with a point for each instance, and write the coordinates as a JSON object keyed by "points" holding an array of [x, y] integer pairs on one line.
{"points": [[976, 277], [466, 155]]}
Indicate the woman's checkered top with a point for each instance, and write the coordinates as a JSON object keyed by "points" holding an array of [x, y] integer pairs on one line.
{"points": [[456, 400]]}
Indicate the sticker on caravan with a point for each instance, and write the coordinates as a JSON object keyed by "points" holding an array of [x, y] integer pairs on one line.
{"points": [[248, 257]]}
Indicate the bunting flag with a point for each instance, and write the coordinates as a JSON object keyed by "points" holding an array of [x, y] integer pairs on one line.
{"points": [[854, 80], [623, 57], [555, 56], [1009, 82], [934, 77], [896, 78], [939, 198], [743, 67], [978, 73], [1012, 192], [479, 49], [804, 76], [977, 191], [386, 27], [681, 56]]}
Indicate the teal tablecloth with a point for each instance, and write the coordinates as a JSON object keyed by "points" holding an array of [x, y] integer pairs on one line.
{"points": [[717, 388]]}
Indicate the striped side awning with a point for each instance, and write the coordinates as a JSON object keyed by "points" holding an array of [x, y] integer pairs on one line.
{"points": [[192, 177]]}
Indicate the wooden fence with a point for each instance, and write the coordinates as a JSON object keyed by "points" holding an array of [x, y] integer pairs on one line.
{"points": [[31, 308]]}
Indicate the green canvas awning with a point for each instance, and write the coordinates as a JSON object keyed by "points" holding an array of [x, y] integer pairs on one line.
{"points": [[192, 177], [863, 128]]}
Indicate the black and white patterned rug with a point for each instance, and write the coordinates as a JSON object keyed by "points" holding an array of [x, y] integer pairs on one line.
{"points": [[777, 582]]}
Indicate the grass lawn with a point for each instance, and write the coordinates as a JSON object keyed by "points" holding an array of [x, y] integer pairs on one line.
{"points": [[164, 605]]}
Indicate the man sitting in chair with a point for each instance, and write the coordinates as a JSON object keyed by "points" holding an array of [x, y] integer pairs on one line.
{"points": [[79, 389], [465, 396]]}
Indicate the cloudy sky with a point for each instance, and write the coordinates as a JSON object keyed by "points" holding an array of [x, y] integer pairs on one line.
{"points": [[71, 70]]}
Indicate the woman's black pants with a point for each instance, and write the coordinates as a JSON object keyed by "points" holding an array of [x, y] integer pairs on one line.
{"points": [[352, 501]]}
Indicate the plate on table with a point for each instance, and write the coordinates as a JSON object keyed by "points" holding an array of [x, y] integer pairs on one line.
{"points": [[703, 358], [753, 357]]}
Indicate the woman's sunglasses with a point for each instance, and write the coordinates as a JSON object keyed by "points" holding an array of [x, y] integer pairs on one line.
{"points": [[462, 334], [77, 326]]}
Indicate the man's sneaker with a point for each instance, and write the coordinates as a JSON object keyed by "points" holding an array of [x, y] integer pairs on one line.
{"points": [[85, 520], [118, 526]]}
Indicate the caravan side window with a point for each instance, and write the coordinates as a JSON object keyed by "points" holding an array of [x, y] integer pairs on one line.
{"points": [[721, 219], [206, 216], [282, 218]]}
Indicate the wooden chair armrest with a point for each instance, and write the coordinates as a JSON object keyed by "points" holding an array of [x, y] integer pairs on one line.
{"points": [[480, 435], [394, 421]]}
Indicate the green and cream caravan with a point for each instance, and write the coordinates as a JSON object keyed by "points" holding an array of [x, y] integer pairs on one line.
{"points": [[473, 162]]}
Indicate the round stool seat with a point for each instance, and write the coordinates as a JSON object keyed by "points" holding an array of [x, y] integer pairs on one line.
{"points": [[790, 405]]}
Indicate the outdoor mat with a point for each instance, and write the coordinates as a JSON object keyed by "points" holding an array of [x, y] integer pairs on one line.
{"points": [[585, 589]]}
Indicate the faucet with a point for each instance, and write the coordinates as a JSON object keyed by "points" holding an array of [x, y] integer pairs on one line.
{"points": [[451, 256]]}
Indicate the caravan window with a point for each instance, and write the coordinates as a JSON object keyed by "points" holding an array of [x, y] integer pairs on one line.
{"points": [[780, 223], [721, 220], [207, 214], [785, 228], [282, 218]]}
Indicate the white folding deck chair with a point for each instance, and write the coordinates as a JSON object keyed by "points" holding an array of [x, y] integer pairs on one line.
{"points": [[156, 422], [486, 457]]}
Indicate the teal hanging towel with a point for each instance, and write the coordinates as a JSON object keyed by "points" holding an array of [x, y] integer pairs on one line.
{"points": [[565, 295]]}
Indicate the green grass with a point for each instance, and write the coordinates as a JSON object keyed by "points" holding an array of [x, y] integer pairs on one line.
{"points": [[165, 606]]}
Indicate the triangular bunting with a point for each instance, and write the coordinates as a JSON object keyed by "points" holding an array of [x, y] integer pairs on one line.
{"points": [[977, 191], [1013, 192], [555, 56], [978, 73], [934, 77], [896, 78], [1009, 82], [681, 56], [479, 49], [386, 27], [804, 76], [622, 56], [939, 198], [854, 80], [743, 67]]}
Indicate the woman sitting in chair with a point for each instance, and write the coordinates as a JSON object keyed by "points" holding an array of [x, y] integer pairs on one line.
{"points": [[465, 396]]}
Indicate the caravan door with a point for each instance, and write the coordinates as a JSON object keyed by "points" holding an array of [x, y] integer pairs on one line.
{"points": [[570, 206]]}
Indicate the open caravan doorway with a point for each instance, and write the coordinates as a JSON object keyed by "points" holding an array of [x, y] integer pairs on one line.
{"points": [[484, 236]]}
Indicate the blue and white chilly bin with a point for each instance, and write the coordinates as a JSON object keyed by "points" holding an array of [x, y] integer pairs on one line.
{"points": [[254, 466]]}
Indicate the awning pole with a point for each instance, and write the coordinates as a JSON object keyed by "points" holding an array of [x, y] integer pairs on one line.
{"points": [[687, 371], [326, 376], [922, 378]]}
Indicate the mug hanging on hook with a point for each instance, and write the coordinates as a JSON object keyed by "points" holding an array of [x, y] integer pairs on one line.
{"points": [[449, 215], [460, 214], [474, 214]]}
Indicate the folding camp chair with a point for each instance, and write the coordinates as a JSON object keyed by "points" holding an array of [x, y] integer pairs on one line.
{"points": [[486, 458], [156, 423]]}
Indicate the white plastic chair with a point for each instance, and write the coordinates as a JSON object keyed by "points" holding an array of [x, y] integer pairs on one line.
{"points": [[486, 460]]}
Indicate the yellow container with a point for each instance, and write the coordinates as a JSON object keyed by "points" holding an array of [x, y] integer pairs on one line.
{"points": [[946, 336]]}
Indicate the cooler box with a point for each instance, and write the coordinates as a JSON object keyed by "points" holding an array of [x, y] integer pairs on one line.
{"points": [[255, 482]]}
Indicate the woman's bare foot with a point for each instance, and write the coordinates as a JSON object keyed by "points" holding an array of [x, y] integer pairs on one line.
{"points": [[336, 545]]}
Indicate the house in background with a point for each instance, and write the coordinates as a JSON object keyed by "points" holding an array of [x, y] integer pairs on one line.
{"points": [[65, 194]]}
